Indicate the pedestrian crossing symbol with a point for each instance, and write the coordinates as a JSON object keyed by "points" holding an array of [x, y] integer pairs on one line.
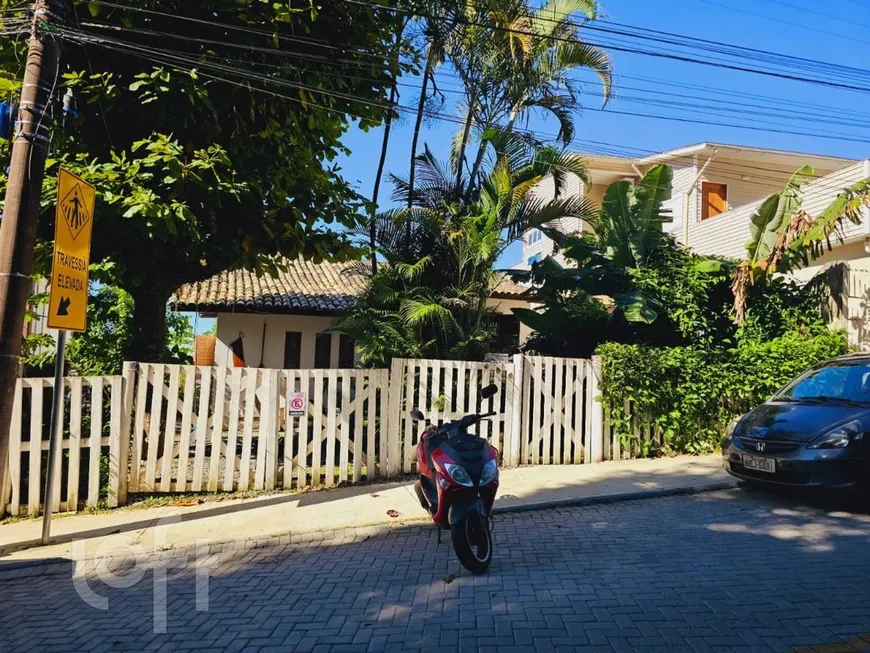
{"points": [[73, 223], [75, 210]]}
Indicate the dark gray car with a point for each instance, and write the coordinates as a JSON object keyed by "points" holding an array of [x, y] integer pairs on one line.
{"points": [[811, 433]]}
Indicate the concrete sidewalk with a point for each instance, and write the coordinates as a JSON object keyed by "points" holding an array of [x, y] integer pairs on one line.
{"points": [[524, 488]]}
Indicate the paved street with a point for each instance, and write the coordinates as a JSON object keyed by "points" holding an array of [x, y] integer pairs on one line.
{"points": [[734, 571]]}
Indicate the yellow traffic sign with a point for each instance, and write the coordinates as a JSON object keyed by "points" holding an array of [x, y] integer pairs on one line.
{"points": [[73, 223]]}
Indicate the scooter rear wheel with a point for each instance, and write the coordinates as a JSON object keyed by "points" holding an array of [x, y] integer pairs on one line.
{"points": [[472, 542]]}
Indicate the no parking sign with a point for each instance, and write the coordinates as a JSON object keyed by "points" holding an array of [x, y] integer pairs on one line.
{"points": [[298, 405]]}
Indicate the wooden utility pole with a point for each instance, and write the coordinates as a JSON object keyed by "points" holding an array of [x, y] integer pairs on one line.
{"points": [[21, 208]]}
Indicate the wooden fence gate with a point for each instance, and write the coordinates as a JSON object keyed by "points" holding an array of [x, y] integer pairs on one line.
{"points": [[186, 428], [203, 429]]}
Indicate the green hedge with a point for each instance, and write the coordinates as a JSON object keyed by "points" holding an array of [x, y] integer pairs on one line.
{"points": [[691, 394]]}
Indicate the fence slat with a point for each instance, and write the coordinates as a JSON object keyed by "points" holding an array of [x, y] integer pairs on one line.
{"points": [[122, 459], [537, 417], [435, 392], [515, 381], [372, 415], [413, 369], [58, 462], [116, 455], [233, 428], [169, 433], [94, 448], [548, 387], [186, 426], [331, 432], [596, 422], [558, 394], [344, 456], [269, 431], [461, 381], [15, 450], [359, 418], [317, 436], [202, 427], [139, 426], [248, 433], [34, 475], [582, 417], [568, 404], [157, 379], [289, 382], [75, 439], [217, 432]]}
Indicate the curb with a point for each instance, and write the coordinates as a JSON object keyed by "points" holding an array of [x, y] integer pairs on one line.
{"points": [[61, 566], [625, 496]]}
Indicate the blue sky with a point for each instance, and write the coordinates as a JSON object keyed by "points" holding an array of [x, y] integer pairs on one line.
{"points": [[836, 32], [811, 36]]}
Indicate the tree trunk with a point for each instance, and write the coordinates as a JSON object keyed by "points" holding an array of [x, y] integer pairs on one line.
{"points": [[421, 105], [466, 133], [149, 325], [377, 189]]}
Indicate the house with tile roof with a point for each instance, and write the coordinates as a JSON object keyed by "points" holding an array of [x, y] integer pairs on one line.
{"points": [[281, 321]]}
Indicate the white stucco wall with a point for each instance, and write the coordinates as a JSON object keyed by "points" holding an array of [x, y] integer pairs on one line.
{"points": [[250, 326], [230, 325]]}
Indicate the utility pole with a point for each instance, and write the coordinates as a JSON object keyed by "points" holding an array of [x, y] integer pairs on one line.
{"points": [[21, 208]]}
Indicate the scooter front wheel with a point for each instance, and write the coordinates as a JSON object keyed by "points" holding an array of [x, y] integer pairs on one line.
{"points": [[472, 542]]}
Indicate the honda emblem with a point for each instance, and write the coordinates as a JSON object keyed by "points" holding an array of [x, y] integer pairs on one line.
{"points": [[760, 446]]}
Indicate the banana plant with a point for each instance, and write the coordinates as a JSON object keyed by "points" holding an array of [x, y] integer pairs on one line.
{"points": [[784, 237]]}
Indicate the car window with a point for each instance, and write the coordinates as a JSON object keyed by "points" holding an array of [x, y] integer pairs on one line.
{"points": [[848, 380]]}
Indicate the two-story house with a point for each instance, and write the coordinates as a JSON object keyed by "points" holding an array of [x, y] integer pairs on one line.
{"points": [[709, 180], [715, 190]]}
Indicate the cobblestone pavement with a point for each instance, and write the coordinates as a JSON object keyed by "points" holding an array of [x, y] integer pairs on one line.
{"points": [[734, 571]]}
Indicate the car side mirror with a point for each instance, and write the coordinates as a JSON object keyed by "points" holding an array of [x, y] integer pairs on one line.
{"points": [[418, 416], [489, 391]]}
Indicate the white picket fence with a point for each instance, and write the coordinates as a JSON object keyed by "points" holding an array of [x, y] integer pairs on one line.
{"points": [[177, 429]]}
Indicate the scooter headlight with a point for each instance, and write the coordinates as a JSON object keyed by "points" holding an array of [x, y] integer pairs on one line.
{"points": [[490, 472], [458, 475]]}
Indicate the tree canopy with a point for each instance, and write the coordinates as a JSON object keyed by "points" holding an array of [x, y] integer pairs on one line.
{"points": [[210, 130]]}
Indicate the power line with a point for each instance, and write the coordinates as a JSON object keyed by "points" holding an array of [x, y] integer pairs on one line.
{"points": [[136, 50], [743, 10]]}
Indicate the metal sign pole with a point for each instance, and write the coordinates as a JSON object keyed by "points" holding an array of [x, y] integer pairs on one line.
{"points": [[56, 435]]}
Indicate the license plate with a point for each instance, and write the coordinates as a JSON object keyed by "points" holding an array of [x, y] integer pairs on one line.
{"points": [[760, 464]]}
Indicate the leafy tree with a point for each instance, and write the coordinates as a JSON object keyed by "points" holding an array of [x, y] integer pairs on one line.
{"points": [[101, 350], [209, 129]]}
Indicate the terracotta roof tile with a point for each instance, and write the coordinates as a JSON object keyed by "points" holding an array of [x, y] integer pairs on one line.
{"points": [[304, 287]]}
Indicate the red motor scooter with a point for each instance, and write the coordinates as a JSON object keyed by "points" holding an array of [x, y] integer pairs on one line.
{"points": [[458, 482]]}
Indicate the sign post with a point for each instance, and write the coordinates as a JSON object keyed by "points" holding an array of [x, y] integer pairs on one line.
{"points": [[67, 301]]}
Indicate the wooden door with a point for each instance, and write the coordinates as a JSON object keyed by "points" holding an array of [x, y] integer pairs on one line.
{"points": [[714, 199]]}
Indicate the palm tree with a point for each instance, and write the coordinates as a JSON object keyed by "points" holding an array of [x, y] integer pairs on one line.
{"points": [[533, 73], [440, 21], [388, 123], [437, 275]]}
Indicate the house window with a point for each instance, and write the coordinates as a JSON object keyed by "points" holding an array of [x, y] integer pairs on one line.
{"points": [[535, 235], [346, 356], [322, 351], [292, 350], [504, 333], [534, 259], [714, 199]]}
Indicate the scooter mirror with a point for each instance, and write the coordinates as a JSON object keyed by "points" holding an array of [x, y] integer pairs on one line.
{"points": [[417, 415], [489, 391]]}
